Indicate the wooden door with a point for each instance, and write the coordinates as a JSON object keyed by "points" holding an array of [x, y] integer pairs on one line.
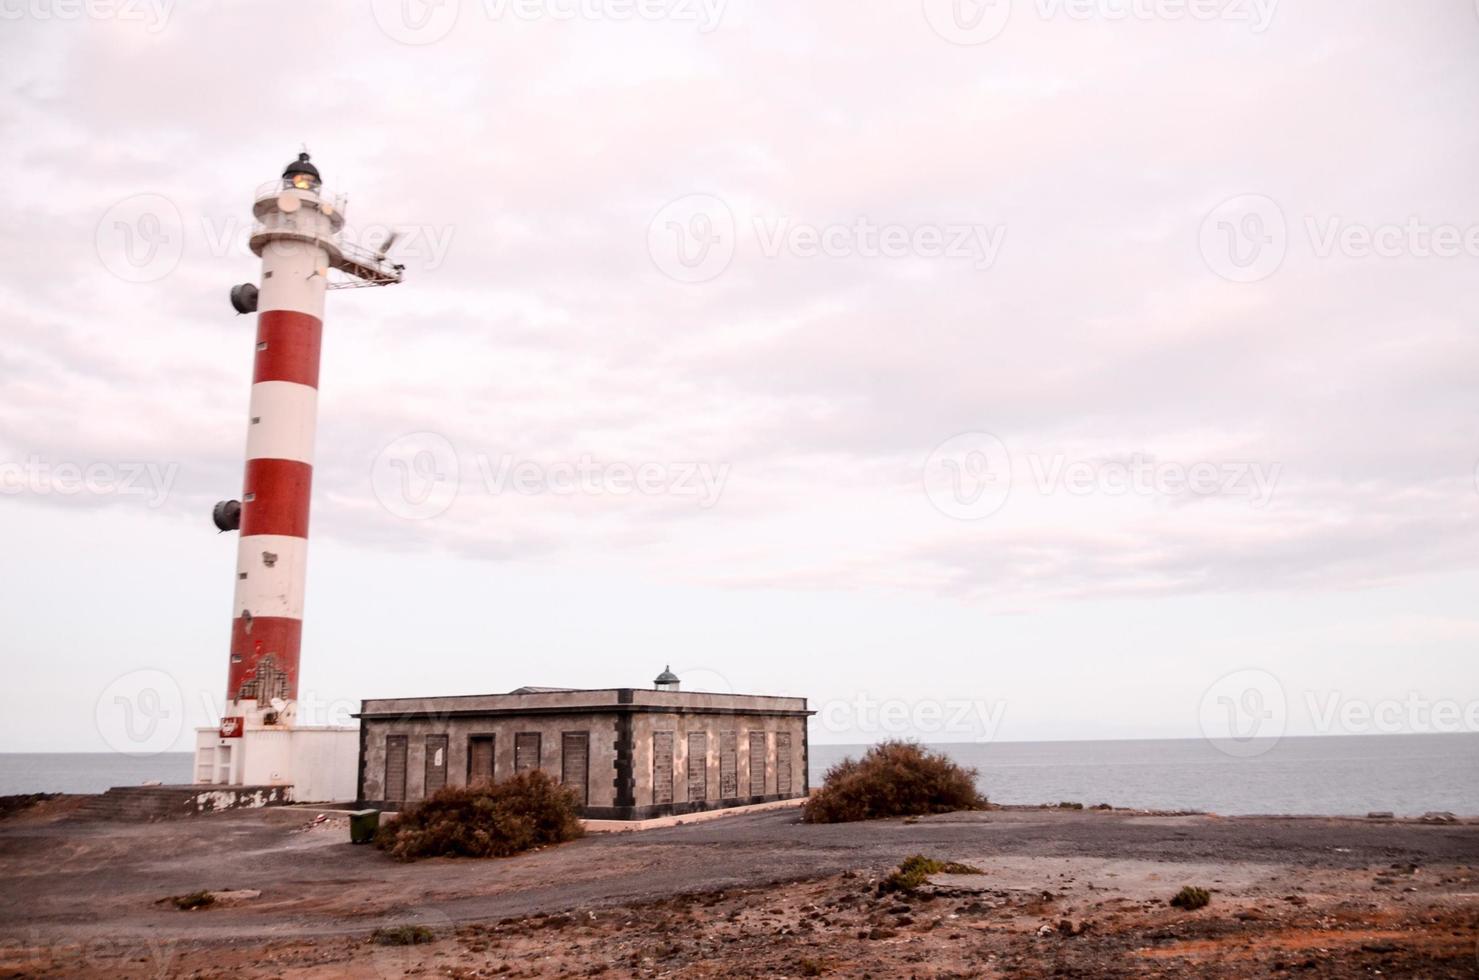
{"points": [[395, 768], [783, 763], [526, 751], [728, 765], [698, 766], [575, 763], [757, 763], [436, 763], [479, 759], [662, 767]]}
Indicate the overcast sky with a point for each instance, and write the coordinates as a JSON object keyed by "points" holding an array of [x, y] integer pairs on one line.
{"points": [[1018, 370]]}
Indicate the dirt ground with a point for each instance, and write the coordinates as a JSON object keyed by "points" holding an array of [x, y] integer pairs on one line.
{"points": [[1062, 893]]}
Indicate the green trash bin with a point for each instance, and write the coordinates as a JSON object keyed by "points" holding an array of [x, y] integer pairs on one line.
{"points": [[362, 826]]}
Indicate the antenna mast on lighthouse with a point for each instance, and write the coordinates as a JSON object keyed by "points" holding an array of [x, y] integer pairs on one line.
{"points": [[297, 234]]}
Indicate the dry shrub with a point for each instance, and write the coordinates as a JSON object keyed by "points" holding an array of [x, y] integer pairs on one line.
{"points": [[893, 779], [916, 869], [402, 935], [192, 901], [484, 820], [1191, 898]]}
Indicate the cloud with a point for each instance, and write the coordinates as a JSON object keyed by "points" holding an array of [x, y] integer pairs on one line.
{"points": [[538, 153]]}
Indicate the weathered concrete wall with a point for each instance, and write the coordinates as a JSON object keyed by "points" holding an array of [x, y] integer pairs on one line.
{"points": [[504, 729], [620, 723], [646, 725], [171, 802]]}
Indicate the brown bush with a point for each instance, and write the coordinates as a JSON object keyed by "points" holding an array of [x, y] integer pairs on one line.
{"points": [[1191, 898], [914, 870], [191, 902], [893, 779], [402, 935], [484, 820]]}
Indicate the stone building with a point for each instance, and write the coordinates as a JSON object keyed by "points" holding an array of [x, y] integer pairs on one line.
{"points": [[628, 753]]}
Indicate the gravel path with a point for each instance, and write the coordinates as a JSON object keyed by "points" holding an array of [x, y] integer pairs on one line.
{"points": [[67, 880]]}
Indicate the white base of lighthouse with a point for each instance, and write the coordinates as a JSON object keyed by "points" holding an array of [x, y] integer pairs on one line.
{"points": [[319, 763]]}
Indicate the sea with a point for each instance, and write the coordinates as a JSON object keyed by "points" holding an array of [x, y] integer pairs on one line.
{"points": [[1325, 775], [1322, 775]]}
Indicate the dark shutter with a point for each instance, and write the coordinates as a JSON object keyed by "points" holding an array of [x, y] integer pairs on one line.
{"points": [[662, 767], [757, 763], [575, 763], [436, 763], [526, 751], [783, 763], [728, 765], [479, 759], [698, 766], [395, 768]]}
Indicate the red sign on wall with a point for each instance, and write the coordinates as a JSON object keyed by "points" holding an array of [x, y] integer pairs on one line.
{"points": [[231, 727]]}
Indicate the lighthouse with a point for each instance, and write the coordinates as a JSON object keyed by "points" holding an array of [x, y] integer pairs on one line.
{"points": [[297, 232]]}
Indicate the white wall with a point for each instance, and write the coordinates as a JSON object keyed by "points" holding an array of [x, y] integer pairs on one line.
{"points": [[321, 764], [325, 764]]}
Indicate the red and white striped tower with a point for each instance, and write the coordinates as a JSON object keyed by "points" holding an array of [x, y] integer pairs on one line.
{"points": [[297, 236]]}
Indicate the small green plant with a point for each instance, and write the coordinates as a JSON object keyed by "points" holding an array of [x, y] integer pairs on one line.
{"points": [[914, 870], [1191, 898], [192, 901], [402, 935], [893, 779], [526, 810]]}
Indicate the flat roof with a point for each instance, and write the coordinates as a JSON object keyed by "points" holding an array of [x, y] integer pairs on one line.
{"points": [[613, 699]]}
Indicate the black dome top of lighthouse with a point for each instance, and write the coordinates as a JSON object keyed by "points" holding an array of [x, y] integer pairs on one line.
{"points": [[301, 166]]}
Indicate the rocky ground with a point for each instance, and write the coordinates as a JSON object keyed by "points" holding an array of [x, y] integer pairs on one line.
{"points": [[1062, 893]]}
